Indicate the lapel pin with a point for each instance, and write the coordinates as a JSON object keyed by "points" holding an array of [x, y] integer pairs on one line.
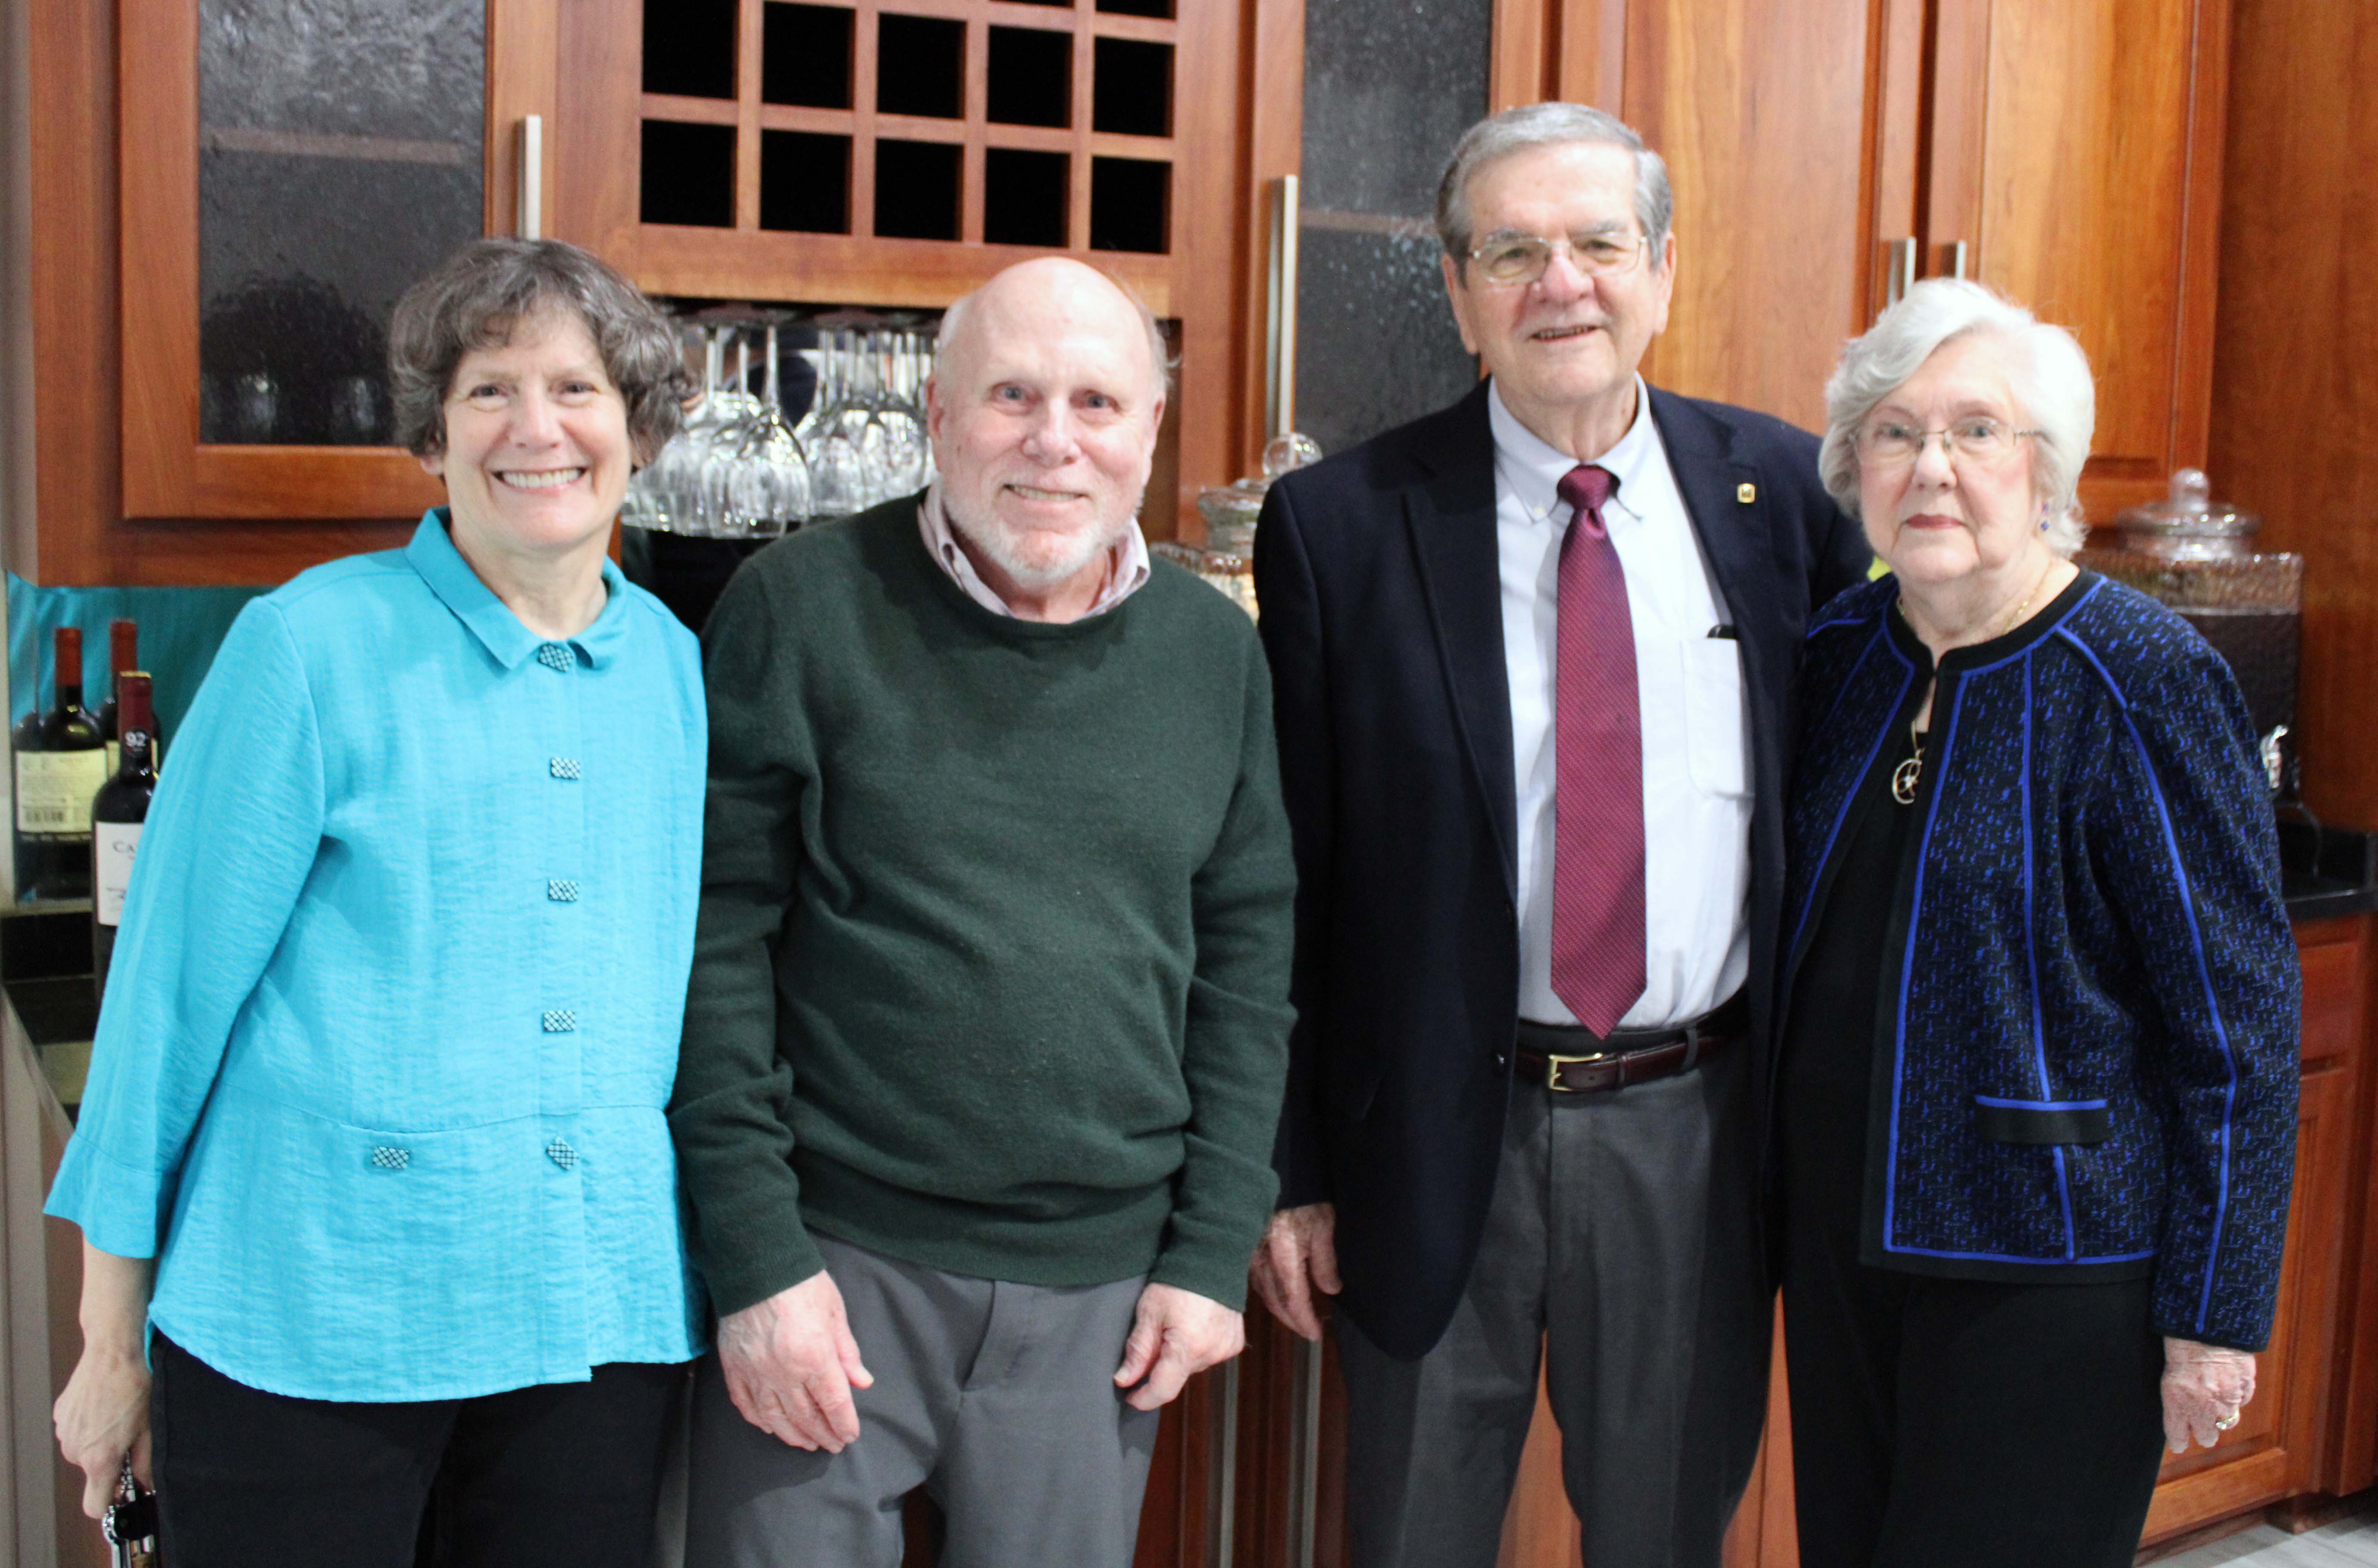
{"points": [[1746, 493]]}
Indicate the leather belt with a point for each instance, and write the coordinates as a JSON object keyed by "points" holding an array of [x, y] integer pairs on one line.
{"points": [[1570, 1060]]}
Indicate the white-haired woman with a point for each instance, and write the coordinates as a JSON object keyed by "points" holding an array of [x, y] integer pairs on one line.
{"points": [[2035, 1113]]}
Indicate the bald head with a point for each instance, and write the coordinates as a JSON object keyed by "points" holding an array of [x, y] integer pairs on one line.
{"points": [[1049, 289]]}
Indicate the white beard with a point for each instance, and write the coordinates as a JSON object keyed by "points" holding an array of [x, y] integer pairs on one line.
{"points": [[1036, 570]]}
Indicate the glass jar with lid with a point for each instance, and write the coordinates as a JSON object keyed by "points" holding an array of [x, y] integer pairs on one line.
{"points": [[1227, 558], [2197, 555]]}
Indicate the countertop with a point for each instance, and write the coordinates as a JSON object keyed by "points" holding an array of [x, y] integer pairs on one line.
{"points": [[2326, 871]]}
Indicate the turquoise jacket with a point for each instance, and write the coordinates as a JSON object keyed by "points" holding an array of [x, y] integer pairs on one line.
{"points": [[393, 1013]]}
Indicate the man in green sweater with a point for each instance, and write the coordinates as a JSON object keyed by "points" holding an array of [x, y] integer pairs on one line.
{"points": [[987, 1032]]}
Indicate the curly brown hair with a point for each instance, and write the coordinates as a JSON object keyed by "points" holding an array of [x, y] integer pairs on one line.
{"points": [[479, 293]]}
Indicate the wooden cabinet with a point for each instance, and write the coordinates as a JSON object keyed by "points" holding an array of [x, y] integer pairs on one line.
{"points": [[898, 152], [123, 489], [2068, 155], [868, 152]]}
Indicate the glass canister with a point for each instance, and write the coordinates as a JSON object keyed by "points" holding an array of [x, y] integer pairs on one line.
{"points": [[2197, 555], [1227, 559]]}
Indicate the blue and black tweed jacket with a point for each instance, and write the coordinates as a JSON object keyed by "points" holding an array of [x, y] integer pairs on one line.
{"points": [[2087, 1057]]}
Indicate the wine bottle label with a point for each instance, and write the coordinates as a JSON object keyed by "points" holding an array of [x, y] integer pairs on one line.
{"points": [[53, 790], [115, 755], [112, 847]]}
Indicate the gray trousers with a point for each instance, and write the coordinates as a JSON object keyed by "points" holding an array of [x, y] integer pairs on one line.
{"points": [[1611, 1252], [998, 1398]]}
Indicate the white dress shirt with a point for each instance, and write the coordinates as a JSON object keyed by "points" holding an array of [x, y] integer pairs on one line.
{"points": [[1696, 752], [1127, 566]]}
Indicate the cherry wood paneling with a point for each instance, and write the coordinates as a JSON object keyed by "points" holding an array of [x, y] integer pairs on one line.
{"points": [[159, 224], [2085, 185], [1273, 99], [1760, 111], [2350, 1460], [2294, 400], [70, 82]]}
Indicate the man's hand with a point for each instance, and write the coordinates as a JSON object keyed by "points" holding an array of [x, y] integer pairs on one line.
{"points": [[1298, 1256], [1176, 1334], [790, 1365], [2204, 1386]]}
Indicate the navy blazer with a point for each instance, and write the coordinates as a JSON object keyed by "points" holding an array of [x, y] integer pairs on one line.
{"points": [[1377, 572], [2089, 1010]]}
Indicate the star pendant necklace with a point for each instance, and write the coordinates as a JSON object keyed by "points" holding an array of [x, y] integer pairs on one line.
{"points": [[1904, 776]]}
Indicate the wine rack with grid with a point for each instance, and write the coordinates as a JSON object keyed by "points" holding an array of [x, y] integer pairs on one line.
{"points": [[1038, 123]]}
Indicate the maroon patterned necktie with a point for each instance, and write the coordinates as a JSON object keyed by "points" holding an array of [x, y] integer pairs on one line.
{"points": [[1598, 966]]}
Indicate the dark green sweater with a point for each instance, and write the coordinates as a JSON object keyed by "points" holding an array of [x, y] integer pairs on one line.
{"points": [[991, 973]]}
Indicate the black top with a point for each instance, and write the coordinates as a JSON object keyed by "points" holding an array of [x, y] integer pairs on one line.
{"points": [[1840, 1011]]}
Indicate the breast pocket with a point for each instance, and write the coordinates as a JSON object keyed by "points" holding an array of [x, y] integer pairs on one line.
{"points": [[1717, 746]]}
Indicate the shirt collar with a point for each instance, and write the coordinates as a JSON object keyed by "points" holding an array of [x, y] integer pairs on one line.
{"points": [[1127, 566], [432, 553], [1533, 468]]}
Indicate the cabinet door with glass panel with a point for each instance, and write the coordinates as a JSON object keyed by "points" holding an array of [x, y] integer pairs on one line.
{"points": [[898, 152], [288, 168]]}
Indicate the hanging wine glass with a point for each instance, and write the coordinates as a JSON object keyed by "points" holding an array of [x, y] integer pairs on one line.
{"points": [[908, 456], [771, 490], [838, 478]]}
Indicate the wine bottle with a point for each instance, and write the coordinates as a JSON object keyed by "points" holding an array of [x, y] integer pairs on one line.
{"points": [[123, 653], [116, 814], [54, 785], [24, 739]]}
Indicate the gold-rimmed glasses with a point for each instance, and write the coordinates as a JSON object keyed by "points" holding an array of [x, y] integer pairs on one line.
{"points": [[1507, 260], [1899, 443]]}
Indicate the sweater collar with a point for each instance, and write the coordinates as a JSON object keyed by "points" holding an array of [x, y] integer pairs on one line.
{"points": [[2031, 632]]}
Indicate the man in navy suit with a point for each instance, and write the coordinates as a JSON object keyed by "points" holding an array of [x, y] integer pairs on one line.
{"points": [[1533, 657]]}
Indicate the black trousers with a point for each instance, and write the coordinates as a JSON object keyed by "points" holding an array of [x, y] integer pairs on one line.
{"points": [[1943, 1423], [556, 1474]]}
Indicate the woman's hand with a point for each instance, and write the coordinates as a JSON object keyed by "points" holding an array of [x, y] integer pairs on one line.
{"points": [[2204, 1386], [103, 1414]]}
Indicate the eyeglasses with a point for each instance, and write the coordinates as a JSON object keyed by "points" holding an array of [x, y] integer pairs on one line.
{"points": [[1896, 443], [1521, 259]]}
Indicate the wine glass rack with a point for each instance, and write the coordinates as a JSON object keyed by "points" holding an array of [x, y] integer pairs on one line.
{"points": [[997, 122]]}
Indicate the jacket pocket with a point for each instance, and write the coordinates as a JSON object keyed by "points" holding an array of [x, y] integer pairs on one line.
{"points": [[2042, 1122]]}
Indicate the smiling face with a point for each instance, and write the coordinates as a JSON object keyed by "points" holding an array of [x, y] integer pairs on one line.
{"points": [[538, 455], [1942, 519], [1565, 343], [1043, 413]]}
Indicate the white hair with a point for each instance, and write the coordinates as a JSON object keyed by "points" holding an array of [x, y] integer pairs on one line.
{"points": [[2048, 372], [1547, 124]]}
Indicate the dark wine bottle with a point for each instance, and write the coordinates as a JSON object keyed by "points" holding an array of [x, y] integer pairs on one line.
{"points": [[117, 814], [24, 739], [54, 786], [123, 653]]}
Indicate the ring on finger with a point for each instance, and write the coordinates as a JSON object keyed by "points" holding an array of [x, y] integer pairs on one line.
{"points": [[2225, 1422]]}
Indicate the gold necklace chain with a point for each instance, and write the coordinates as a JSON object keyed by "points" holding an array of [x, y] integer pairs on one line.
{"points": [[1904, 777]]}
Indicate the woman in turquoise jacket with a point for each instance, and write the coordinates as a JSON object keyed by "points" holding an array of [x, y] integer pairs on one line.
{"points": [[374, 1148]]}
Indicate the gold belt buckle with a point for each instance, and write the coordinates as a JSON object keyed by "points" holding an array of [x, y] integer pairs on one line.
{"points": [[1554, 1063]]}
